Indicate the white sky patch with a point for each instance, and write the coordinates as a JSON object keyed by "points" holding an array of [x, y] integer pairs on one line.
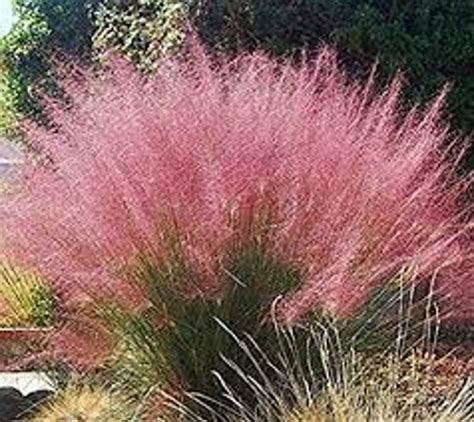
{"points": [[6, 16]]}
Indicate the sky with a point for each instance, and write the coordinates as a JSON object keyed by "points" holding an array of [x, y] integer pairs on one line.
{"points": [[6, 16]]}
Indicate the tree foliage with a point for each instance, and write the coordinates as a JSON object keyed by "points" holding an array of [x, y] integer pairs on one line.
{"points": [[44, 29], [142, 31], [48, 31]]}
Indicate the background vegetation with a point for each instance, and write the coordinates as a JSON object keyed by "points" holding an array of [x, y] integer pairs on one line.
{"points": [[45, 29]]}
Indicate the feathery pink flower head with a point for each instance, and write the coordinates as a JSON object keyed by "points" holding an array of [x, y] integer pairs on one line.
{"points": [[356, 188]]}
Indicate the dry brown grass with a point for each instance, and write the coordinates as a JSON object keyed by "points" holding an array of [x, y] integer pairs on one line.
{"points": [[84, 404], [417, 388]]}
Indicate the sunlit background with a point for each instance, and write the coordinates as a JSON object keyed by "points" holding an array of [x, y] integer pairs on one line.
{"points": [[6, 16]]}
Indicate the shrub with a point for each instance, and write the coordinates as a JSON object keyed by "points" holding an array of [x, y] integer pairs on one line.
{"points": [[169, 183]]}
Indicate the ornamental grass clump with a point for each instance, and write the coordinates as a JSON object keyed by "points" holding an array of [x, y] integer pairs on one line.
{"points": [[329, 381], [175, 343], [165, 194], [84, 403], [28, 311], [26, 301]]}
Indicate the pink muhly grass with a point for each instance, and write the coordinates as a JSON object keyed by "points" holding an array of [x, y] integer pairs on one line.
{"points": [[325, 174]]}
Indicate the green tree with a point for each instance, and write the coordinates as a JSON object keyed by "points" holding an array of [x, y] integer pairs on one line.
{"points": [[44, 29]]}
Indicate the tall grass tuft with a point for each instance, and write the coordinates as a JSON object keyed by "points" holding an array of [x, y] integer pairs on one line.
{"points": [[26, 301], [175, 343], [207, 176], [330, 381], [84, 403]]}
